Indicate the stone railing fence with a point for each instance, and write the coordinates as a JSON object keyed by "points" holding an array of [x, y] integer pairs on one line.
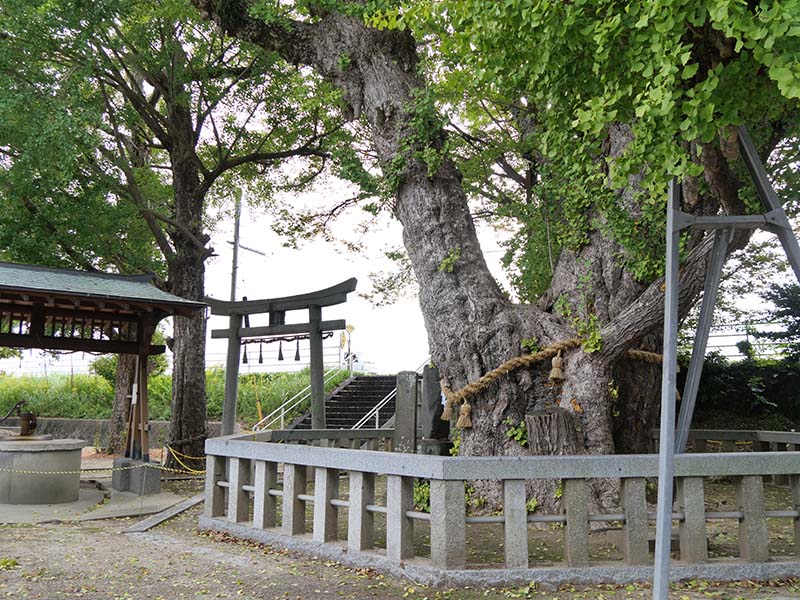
{"points": [[703, 440], [262, 486], [363, 439], [746, 440]]}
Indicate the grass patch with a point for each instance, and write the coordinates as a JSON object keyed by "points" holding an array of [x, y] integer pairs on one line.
{"points": [[92, 396], [6, 563]]}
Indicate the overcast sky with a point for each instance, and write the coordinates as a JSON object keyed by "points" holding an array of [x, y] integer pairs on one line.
{"points": [[388, 339]]}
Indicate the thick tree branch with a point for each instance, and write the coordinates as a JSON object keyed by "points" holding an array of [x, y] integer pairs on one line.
{"points": [[242, 73], [292, 39], [132, 187], [199, 243]]}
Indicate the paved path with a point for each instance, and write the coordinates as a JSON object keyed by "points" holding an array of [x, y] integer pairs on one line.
{"points": [[95, 560]]}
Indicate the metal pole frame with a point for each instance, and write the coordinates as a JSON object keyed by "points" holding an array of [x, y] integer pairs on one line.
{"points": [[672, 442], [710, 289], [780, 222], [666, 455]]}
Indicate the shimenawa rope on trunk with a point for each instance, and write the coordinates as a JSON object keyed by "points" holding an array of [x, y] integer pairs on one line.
{"points": [[512, 364]]}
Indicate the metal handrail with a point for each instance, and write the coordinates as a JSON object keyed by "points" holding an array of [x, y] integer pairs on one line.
{"points": [[279, 414], [374, 412]]}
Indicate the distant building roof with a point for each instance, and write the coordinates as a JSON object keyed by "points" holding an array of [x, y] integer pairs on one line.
{"points": [[120, 288]]}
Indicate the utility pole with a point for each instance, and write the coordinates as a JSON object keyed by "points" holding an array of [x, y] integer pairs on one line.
{"points": [[237, 216], [234, 341]]}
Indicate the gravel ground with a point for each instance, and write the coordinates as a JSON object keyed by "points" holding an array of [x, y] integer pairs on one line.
{"points": [[95, 560]]}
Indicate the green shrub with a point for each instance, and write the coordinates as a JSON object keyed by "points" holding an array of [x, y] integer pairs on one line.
{"points": [[159, 397], [747, 394], [422, 495], [106, 364], [69, 396]]}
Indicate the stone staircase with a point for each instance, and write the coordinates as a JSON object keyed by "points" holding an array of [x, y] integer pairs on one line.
{"points": [[352, 400]]}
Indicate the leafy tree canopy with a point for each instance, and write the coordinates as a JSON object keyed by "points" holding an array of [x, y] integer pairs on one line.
{"points": [[533, 89], [101, 101], [541, 84]]}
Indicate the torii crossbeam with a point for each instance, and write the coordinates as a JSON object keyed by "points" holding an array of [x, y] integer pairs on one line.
{"points": [[277, 308], [774, 219]]}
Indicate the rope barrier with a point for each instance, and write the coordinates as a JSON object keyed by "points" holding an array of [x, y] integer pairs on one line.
{"points": [[195, 438], [653, 358], [507, 367], [183, 464], [108, 469], [186, 456]]}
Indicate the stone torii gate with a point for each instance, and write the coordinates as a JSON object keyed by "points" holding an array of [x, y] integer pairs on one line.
{"points": [[277, 308]]}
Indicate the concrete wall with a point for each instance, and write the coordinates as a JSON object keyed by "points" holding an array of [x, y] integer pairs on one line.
{"points": [[95, 431]]}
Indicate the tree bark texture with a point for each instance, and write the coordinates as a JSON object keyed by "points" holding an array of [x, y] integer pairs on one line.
{"points": [[186, 268], [120, 411], [609, 403]]}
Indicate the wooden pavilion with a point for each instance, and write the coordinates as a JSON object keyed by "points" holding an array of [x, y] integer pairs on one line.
{"points": [[80, 311]]}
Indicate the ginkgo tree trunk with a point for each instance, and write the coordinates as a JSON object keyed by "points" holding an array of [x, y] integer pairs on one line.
{"points": [[610, 402]]}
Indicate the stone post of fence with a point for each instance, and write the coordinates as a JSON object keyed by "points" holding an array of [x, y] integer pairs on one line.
{"points": [[794, 481], [448, 526], [753, 531], [515, 516], [692, 528], [238, 499], [576, 536], [634, 531], [294, 509], [326, 488], [399, 528], [360, 529], [265, 506], [405, 420], [214, 494]]}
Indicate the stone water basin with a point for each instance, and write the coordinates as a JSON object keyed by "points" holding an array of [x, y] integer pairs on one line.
{"points": [[48, 459]]}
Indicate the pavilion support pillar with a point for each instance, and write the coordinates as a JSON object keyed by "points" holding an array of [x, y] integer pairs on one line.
{"points": [[144, 422], [136, 475], [140, 478], [317, 368], [137, 446]]}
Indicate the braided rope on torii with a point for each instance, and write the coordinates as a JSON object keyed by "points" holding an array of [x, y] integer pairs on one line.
{"points": [[553, 350]]}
